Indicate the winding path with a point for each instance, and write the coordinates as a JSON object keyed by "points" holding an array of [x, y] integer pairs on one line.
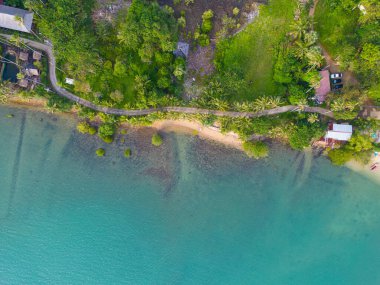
{"points": [[47, 49]]}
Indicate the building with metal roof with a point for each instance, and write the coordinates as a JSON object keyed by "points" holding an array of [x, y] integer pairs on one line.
{"points": [[339, 132], [16, 19]]}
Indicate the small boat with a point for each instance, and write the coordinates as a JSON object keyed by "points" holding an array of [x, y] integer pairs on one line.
{"points": [[374, 166]]}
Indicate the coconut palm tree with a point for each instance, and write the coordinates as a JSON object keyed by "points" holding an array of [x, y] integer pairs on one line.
{"points": [[264, 103], [314, 57], [219, 104], [16, 40], [299, 28], [20, 76], [302, 104], [313, 118]]}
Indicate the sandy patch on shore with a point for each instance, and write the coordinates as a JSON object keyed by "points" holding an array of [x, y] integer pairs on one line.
{"points": [[366, 169], [195, 128]]}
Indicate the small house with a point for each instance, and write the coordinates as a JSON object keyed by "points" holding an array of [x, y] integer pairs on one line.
{"points": [[339, 133], [324, 86], [23, 56], [36, 55], [32, 72], [182, 49], [69, 81], [16, 19]]}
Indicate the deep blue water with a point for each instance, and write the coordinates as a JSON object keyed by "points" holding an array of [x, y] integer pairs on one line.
{"points": [[190, 212], [10, 69]]}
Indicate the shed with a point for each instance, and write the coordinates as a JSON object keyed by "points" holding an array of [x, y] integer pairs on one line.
{"points": [[69, 81], [324, 86], [23, 83], [182, 49], [339, 132], [32, 72], [24, 56], [36, 55], [16, 19]]}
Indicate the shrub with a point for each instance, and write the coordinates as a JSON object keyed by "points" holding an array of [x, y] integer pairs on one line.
{"points": [[256, 149], [108, 139], [182, 21], [106, 132], [203, 40], [127, 153], [156, 140], [100, 152], [86, 128], [235, 11], [340, 156], [91, 130]]}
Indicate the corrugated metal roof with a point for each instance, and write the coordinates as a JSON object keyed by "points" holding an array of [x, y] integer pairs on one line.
{"points": [[8, 19], [342, 128], [340, 132], [339, 136]]}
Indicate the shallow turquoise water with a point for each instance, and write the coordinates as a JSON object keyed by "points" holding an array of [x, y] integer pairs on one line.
{"points": [[191, 212]]}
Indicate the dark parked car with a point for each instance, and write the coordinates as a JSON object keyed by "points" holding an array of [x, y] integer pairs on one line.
{"points": [[336, 81], [338, 86]]}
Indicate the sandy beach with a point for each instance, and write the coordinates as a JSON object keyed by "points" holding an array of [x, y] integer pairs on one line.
{"points": [[366, 169], [193, 127]]}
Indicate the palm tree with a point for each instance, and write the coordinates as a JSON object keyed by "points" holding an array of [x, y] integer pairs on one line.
{"points": [[314, 57], [313, 118], [20, 76], [15, 39], [264, 103], [301, 49], [298, 28], [219, 104], [302, 104]]}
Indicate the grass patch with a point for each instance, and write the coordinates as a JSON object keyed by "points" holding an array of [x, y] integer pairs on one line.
{"points": [[252, 53], [336, 27]]}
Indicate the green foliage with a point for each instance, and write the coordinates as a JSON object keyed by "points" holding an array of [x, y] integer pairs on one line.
{"points": [[296, 94], [359, 143], [148, 35], [86, 128], [302, 135], [252, 53], [340, 156], [148, 29], [336, 25], [235, 11], [256, 149], [100, 152], [157, 140], [106, 132], [182, 22], [127, 153], [67, 23], [207, 21]]}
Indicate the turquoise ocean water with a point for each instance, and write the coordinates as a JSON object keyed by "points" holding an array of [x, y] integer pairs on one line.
{"points": [[191, 212]]}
